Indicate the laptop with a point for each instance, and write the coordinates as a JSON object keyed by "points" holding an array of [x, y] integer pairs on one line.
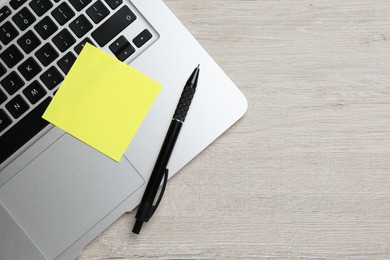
{"points": [[57, 193]]}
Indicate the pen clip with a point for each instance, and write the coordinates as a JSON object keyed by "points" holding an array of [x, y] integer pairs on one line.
{"points": [[154, 207]]}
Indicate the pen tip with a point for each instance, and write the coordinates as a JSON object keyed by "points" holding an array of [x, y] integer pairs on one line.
{"points": [[198, 66]]}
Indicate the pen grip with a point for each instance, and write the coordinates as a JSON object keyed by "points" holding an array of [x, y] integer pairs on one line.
{"points": [[184, 103]]}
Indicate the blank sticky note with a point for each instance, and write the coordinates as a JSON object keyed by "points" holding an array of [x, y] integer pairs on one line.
{"points": [[102, 102]]}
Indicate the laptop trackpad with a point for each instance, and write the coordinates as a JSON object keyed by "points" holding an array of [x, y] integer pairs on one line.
{"points": [[65, 191]]}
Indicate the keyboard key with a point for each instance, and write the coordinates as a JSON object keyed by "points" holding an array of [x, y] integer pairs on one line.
{"points": [[23, 131], [46, 54], [40, 6], [51, 78], [125, 53], [23, 19], [34, 92], [29, 41], [66, 62], [98, 11], [7, 33], [46, 27], [5, 121], [17, 106], [114, 3], [122, 48], [142, 38], [63, 13], [63, 40], [4, 13], [119, 44], [17, 3], [11, 56], [29, 68], [80, 26], [12, 83], [79, 47], [3, 97], [79, 4], [113, 26], [2, 70]]}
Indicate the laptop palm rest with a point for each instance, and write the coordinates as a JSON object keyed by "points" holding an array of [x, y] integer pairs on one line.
{"points": [[69, 187], [16, 245]]}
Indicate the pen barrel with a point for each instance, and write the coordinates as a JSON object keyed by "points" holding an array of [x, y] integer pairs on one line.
{"points": [[158, 170], [146, 208], [184, 103]]}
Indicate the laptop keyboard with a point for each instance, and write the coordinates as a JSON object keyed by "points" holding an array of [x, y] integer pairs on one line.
{"points": [[40, 41]]}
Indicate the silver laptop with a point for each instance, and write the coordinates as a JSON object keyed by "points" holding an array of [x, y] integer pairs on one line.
{"points": [[57, 193]]}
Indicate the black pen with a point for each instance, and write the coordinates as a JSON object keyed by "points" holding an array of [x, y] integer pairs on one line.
{"points": [[146, 208]]}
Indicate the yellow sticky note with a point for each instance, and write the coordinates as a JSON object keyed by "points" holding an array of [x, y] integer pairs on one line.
{"points": [[102, 102]]}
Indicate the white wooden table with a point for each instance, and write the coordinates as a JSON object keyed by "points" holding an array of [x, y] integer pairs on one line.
{"points": [[306, 173]]}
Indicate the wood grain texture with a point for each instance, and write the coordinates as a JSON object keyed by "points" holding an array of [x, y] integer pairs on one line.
{"points": [[306, 173]]}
